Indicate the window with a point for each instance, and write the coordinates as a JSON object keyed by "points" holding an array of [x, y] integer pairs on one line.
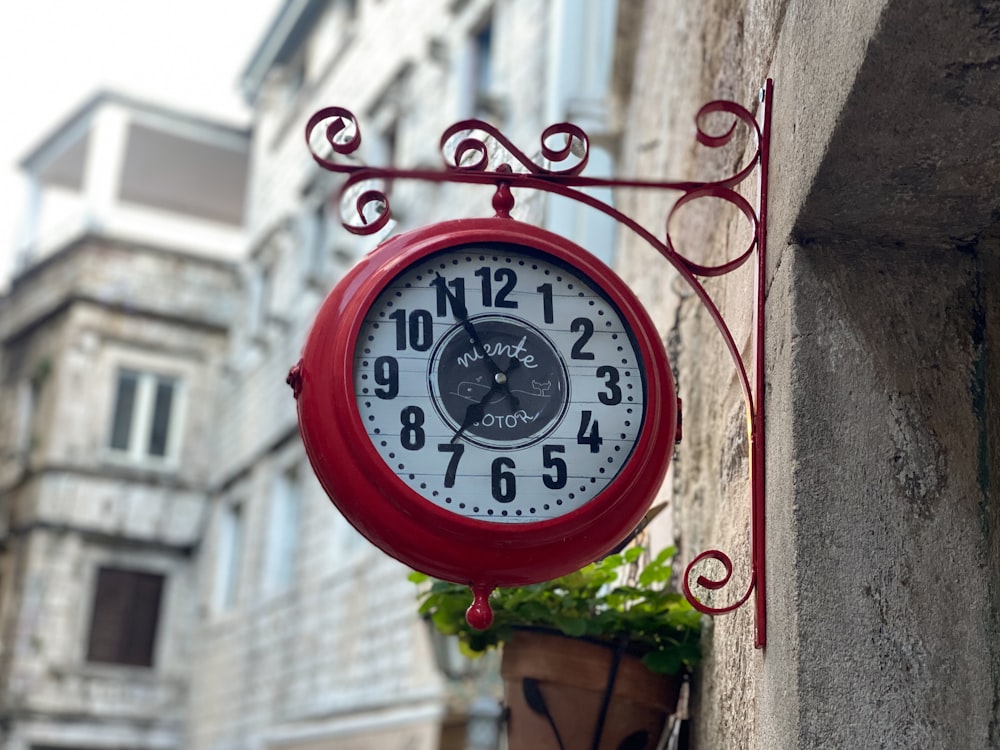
{"points": [[295, 71], [482, 45], [317, 233], [261, 290], [24, 417], [125, 618], [229, 557], [283, 531], [479, 88], [145, 408], [577, 222]]}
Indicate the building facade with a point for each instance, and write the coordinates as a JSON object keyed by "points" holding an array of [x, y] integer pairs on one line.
{"points": [[111, 342], [881, 339], [881, 377], [310, 638]]}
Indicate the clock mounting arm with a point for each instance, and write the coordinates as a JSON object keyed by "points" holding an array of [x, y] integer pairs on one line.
{"points": [[471, 148]]}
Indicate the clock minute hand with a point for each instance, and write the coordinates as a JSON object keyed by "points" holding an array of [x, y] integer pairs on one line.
{"points": [[461, 313]]}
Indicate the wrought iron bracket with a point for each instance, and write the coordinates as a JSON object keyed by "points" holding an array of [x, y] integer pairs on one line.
{"points": [[478, 153]]}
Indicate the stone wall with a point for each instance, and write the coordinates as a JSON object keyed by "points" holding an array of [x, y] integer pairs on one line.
{"points": [[71, 506], [881, 380]]}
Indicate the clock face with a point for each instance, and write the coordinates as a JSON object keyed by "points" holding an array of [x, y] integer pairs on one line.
{"points": [[498, 383], [486, 402]]}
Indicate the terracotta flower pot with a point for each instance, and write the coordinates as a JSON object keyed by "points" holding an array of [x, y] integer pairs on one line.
{"points": [[555, 687]]}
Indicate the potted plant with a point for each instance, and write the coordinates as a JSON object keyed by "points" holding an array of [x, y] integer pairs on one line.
{"points": [[593, 659]]}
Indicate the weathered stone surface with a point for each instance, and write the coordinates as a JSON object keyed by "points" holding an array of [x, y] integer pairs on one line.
{"points": [[881, 381]]}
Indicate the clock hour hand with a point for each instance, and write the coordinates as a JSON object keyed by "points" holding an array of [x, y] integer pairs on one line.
{"points": [[475, 412]]}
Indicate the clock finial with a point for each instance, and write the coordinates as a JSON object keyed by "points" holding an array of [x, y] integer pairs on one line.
{"points": [[479, 615], [503, 199]]}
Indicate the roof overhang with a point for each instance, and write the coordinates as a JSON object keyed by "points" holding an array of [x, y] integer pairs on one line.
{"points": [[285, 35]]}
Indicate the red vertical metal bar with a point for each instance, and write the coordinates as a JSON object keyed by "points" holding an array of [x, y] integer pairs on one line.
{"points": [[757, 510]]}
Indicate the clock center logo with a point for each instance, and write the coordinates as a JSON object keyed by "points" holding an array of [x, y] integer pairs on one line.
{"points": [[498, 382]]}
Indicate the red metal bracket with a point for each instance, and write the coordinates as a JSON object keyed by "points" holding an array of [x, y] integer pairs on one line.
{"points": [[469, 147]]}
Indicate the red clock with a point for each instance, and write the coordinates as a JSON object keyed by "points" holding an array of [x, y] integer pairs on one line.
{"points": [[487, 402]]}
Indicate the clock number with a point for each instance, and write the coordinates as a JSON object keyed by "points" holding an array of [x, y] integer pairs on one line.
{"points": [[549, 461], [412, 435], [456, 297], [504, 483], [589, 432], [456, 450], [387, 375], [614, 393], [586, 328], [509, 279], [417, 329], [546, 291]]}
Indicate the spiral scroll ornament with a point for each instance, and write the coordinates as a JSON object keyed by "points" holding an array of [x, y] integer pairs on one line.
{"points": [[475, 137], [474, 151]]}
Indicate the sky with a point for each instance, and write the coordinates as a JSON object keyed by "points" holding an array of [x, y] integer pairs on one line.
{"points": [[54, 54]]}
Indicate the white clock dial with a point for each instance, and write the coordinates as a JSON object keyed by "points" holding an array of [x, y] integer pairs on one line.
{"points": [[499, 384]]}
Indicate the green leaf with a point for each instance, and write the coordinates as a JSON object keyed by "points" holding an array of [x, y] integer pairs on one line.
{"points": [[612, 562], [663, 662], [665, 555], [590, 602], [633, 553], [574, 627]]}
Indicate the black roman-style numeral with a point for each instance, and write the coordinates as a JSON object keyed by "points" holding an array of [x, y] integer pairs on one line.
{"points": [[456, 450], [586, 328], [557, 480], [547, 312], [613, 395], [412, 436], [415, 329], [507, 277], [503, 483], [589, 432], [453, 298], [386, 374]]}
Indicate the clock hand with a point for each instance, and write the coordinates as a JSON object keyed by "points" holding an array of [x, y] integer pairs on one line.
{"points": [[475, 412], [505, 383], [461, 313]]}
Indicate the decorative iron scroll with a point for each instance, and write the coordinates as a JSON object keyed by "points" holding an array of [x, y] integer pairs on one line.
{"points": [[469, 147]]}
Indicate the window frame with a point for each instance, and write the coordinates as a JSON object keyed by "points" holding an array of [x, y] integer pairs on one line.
{"points": [[284, 529], [230, 543], [135, 634], [131, 435]]}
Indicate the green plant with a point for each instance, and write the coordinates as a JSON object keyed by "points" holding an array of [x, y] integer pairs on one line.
{"points": [[611, 600]]}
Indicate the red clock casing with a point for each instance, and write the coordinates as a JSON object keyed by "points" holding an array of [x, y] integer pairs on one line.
{"points": [[407, 526]]}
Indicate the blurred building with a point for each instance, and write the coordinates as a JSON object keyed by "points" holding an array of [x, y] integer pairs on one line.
{"points": [[153, 461], [144, 370], [882, 322], [310, 638], [112, 338]]}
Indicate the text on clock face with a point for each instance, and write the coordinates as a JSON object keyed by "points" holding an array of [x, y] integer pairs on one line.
{"points": [[499, 385], [497, 349]]}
